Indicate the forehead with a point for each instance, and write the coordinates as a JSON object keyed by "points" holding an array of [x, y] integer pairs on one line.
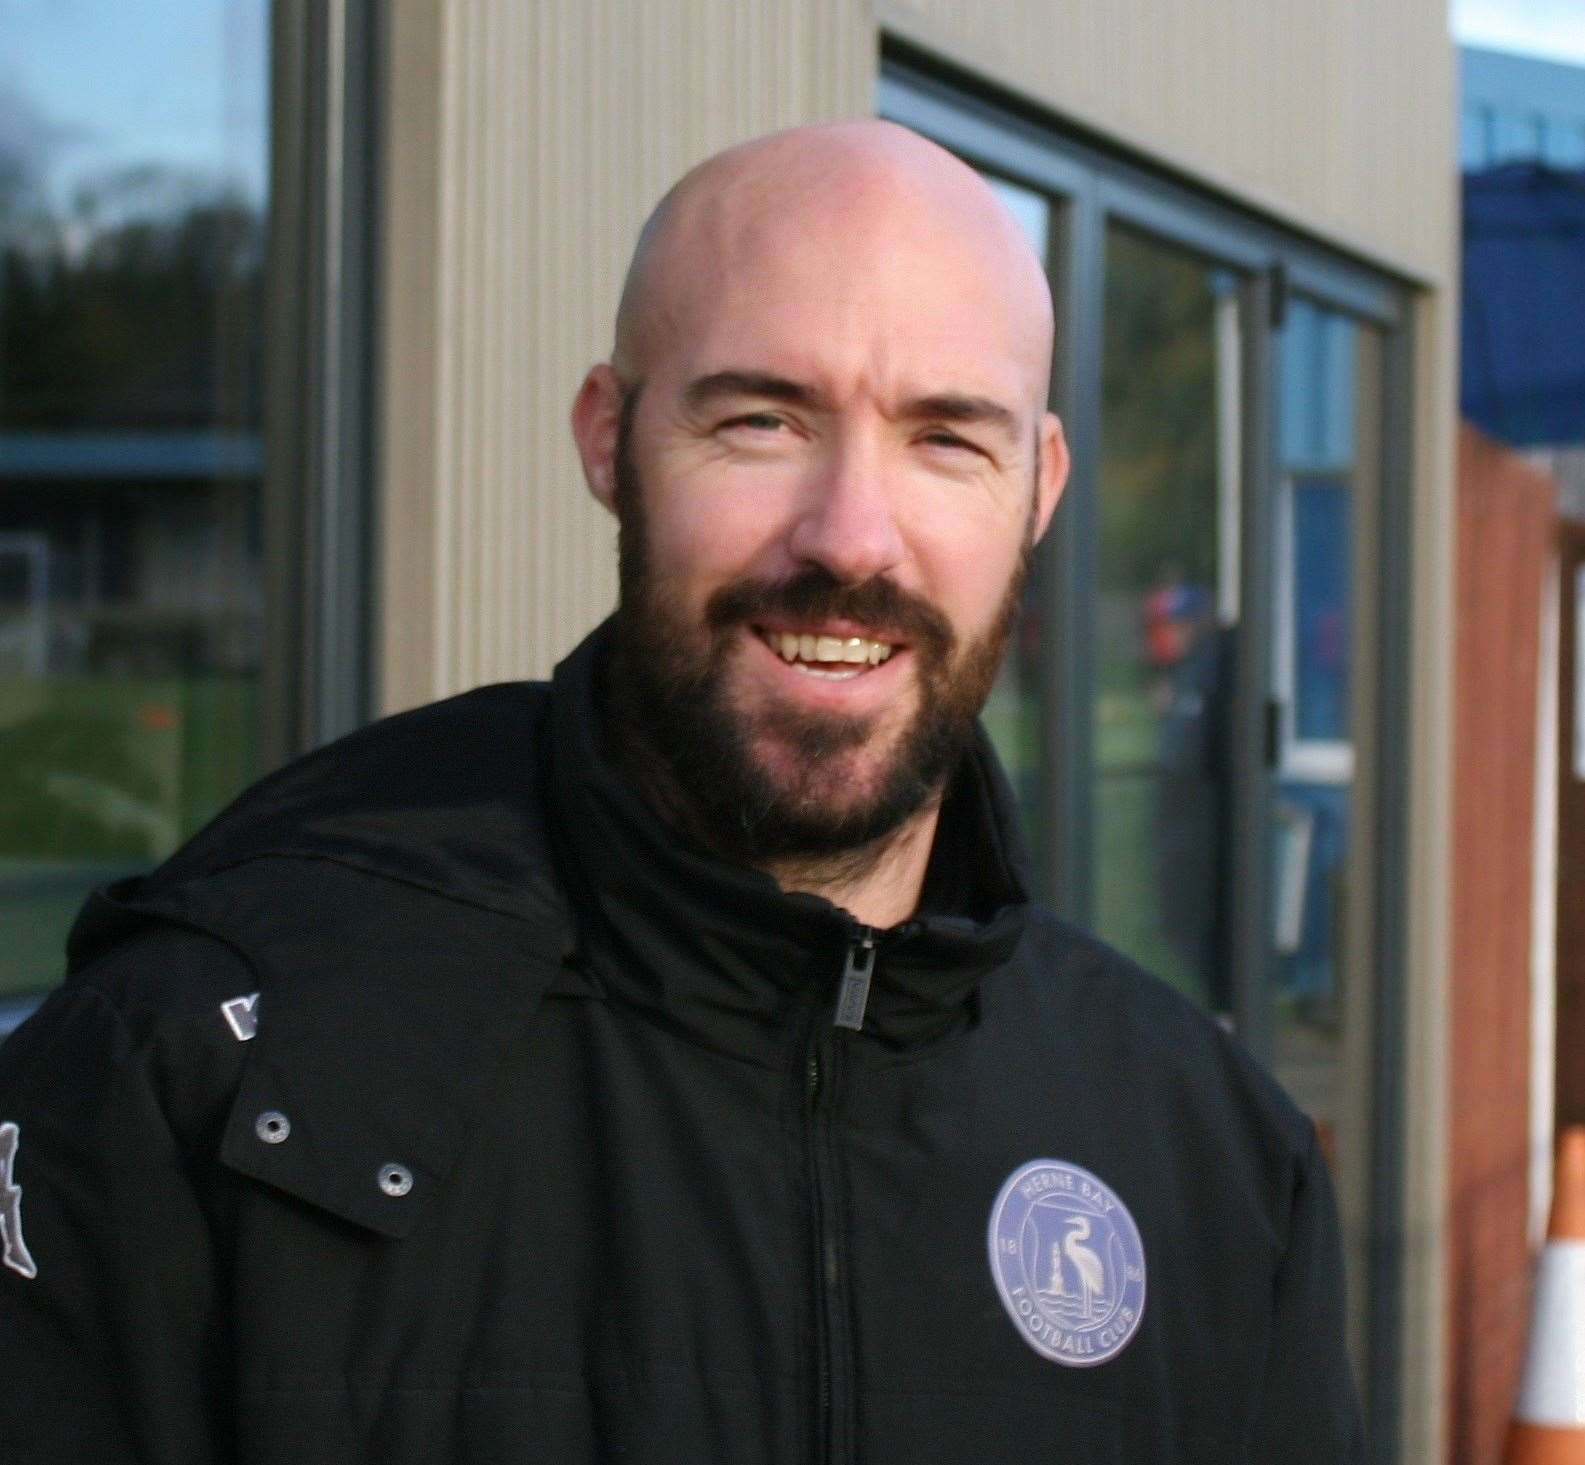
{"points": [[851, 291]]}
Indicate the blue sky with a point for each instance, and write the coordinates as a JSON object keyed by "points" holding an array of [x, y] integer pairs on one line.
{"points": [[1551, 28], [88, 86]]}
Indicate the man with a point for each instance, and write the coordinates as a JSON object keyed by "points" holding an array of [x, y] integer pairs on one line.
{"points": [[668, 1064]]}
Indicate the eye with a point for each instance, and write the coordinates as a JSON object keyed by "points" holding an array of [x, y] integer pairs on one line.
{"points": [[940, 437], [755, 422]]}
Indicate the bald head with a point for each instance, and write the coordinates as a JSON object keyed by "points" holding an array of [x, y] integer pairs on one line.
{"points": [[830, 190]]}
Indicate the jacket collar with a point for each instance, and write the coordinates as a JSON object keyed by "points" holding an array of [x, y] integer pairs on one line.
{"points": [[721, 950]]}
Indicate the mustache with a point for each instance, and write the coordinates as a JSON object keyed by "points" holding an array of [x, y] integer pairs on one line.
{"points": [[816, 595]]}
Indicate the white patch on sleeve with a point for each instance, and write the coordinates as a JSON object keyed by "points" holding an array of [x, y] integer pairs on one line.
{"points": [[16, 1249], [241, 1015]]}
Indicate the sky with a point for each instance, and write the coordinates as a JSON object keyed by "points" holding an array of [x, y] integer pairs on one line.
{"points": [[89, 86], [1551, 28]]}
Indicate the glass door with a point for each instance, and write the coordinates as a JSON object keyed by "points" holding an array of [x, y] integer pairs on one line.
{"points": [[1167, 613], [1320, 981]]}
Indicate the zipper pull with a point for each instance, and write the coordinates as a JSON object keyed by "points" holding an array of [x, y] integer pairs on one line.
{"points": [[854, 993]]}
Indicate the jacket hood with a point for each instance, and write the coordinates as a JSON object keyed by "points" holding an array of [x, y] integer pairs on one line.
{"points": [[444, 799]]}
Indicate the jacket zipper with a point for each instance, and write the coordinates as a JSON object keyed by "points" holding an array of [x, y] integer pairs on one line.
{"points": [[814, 1086], [831, 1367], [853, 993]]}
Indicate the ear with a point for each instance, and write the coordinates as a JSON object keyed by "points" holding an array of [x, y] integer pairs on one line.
{"points": [[596, 420], [1053, 475]]}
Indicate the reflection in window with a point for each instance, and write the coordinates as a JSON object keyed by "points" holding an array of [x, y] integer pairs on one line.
{"points": [[1167, 612], [1319, 610], [1014, 715], [132, 195], [1323, 971], [1315, 635]]}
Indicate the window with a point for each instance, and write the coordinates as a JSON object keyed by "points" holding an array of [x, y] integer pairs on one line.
{"points": [[181, 558], [133, 197]]}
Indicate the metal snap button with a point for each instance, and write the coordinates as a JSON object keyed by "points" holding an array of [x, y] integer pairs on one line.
{"points": [[395, 1179], [272, 1126]]}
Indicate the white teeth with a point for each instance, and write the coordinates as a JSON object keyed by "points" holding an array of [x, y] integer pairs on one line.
{"points": [[827, 651]]}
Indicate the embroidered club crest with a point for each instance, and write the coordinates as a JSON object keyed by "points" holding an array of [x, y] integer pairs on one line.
{"points": [[1068, 1263], [15, 1252]]}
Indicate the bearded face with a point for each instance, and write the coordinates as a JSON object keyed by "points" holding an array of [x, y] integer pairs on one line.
{"points": [[763, 778]]}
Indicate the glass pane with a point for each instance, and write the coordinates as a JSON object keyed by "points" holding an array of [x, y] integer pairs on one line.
{"points": [[1320, 608], [133, 159], [1322, 968], [1167, 606], [1014, 714], [1014, 718]]}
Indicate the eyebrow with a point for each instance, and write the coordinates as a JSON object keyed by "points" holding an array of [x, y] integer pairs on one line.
{"points": [[956, 407], [703, 390], [944, 406]]}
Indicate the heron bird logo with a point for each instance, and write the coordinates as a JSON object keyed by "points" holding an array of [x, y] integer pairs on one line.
{"points": [[1085, 1299]]}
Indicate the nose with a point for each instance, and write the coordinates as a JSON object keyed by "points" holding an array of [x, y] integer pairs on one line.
{"points": [[847, 521]]}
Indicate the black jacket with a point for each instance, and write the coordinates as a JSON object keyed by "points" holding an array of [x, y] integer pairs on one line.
{"points": [[539, 1143]]}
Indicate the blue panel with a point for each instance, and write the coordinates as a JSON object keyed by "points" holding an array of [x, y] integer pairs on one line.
{"points": [[1517, 135], [1336, 436], [1519, 109], [1474, 139], [162, 455], [1300, 348], [1565, 144], [1522, 348], [1322, 593], [1317, 427], [1522, 85]]}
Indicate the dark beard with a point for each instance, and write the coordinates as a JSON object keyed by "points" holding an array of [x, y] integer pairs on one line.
{"points": [[692, 753]]}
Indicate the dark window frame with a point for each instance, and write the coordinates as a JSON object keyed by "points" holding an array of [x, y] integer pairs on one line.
{"points": [[320, 460]]}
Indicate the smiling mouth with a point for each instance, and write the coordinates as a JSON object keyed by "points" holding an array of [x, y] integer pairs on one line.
{"points": [[834, 658]]}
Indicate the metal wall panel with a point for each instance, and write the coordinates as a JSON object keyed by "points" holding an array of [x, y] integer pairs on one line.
{"points": [[526, 144], [1336, 117]]}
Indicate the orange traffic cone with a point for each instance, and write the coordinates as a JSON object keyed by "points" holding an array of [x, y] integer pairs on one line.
{"points": [[1549, 1420]]}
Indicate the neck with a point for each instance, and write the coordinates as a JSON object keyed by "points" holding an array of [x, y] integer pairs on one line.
{"points": [[878, 884]]}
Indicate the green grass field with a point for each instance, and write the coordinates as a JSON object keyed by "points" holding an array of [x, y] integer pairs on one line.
{"points": [[100, 777]]}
